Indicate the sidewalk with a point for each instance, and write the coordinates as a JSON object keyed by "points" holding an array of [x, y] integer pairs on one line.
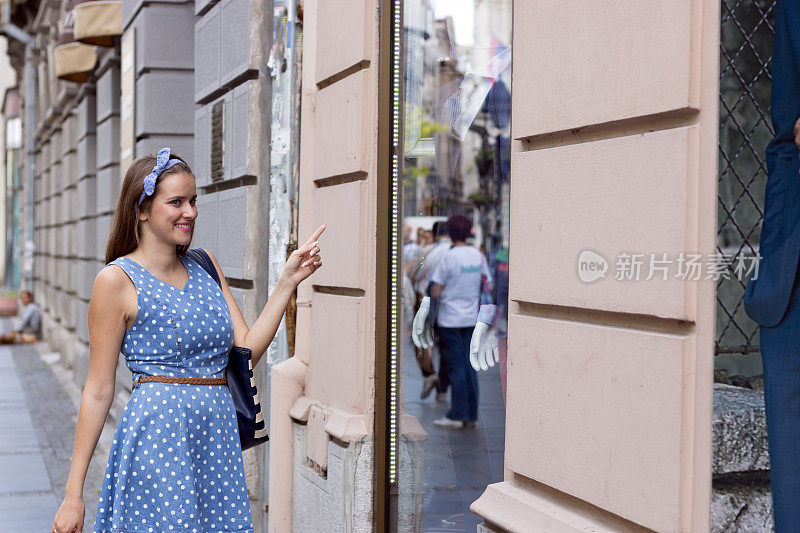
{"points": [[38, 411], [457, 464]]}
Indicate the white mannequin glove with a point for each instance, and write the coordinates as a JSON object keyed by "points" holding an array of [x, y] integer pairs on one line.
{"points": [[483, 349], [421, 332]]}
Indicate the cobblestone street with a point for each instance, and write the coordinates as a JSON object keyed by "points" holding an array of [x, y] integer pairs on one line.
{"points": [[38, 411]]}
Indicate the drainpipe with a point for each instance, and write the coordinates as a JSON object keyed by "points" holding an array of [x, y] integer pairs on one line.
{"points": [[13, 32]]}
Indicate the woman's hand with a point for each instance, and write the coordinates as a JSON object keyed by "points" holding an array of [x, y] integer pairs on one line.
{"points": [[305, 260], [69, 517]]}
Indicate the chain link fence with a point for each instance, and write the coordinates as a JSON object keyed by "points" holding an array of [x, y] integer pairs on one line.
{"points": [[747, 33]]}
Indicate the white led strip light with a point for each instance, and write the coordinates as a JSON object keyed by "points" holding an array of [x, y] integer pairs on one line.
{"points": [[394, 305]]}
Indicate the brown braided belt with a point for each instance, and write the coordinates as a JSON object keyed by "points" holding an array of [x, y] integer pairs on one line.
{"points": [[187, 381]]}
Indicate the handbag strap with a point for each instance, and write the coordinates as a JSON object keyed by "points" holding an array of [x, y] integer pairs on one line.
{"points": [[200, 255]]}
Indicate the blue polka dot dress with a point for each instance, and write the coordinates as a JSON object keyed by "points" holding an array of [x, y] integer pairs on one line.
{"points": [[176, 462]]}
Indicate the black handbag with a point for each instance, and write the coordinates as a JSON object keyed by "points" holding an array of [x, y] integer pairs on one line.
{"points": [[239, 375]]}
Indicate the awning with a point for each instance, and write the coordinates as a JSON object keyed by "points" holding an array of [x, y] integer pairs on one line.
{"points": [[74, 60], [97, 21]]}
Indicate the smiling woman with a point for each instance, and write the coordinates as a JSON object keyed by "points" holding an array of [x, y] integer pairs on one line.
{"points": [[176, 457], [137, 202]]}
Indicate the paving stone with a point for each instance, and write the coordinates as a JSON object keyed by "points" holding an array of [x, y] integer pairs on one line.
{"points": [[27, 507], [40, 523], [23, 472], [6, 361], [18, 442], [18, 433]]}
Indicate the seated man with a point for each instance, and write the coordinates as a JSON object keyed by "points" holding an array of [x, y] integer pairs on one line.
{"points": [[29, 323]]}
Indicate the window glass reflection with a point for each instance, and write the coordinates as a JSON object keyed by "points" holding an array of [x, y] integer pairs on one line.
{"points": [[455, 177]]}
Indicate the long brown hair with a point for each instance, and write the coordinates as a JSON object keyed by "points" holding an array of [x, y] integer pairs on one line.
{"points": [[124, 235]]}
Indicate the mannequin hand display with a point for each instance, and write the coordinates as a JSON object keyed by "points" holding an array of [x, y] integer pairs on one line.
{"points": [[483, 349], [421, 332]]}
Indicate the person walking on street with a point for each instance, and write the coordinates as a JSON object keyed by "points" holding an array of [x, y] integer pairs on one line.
{"points": [[176, 459], [428, 259], [457, 282]]}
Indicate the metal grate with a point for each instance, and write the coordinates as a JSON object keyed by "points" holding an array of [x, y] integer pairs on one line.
{"points": [[747, 33]]}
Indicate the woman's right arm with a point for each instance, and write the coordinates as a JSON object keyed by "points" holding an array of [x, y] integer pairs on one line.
{"points": [[107, 321]]}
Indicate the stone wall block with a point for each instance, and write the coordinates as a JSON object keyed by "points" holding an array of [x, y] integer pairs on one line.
{"points": [[202, 145], [86, 111], [72, 250], [230, 236], [161, 103], [108, 100], [232, 132], [87, 196], [70, 133], [56, 146], [108, 142], [207, 59], [205, 227], [69, 168], [108, 182], [73, 204], [72, 310], [165, 27], [82, 322], [87, 271], [740, 431], [87, 156], [240, 47], [87, 238], [51, 208], [241, 133], [60, 271], [103, 226]]}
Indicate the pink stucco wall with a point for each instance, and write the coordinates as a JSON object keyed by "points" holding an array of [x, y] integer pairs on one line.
{"points": [[609, 382], [331, 377]]}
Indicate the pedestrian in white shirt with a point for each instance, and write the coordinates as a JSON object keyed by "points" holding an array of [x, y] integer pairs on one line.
{"points": [[457, 281]]}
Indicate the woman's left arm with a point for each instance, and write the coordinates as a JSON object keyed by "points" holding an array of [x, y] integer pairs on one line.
{"points": [[301, 264]]}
